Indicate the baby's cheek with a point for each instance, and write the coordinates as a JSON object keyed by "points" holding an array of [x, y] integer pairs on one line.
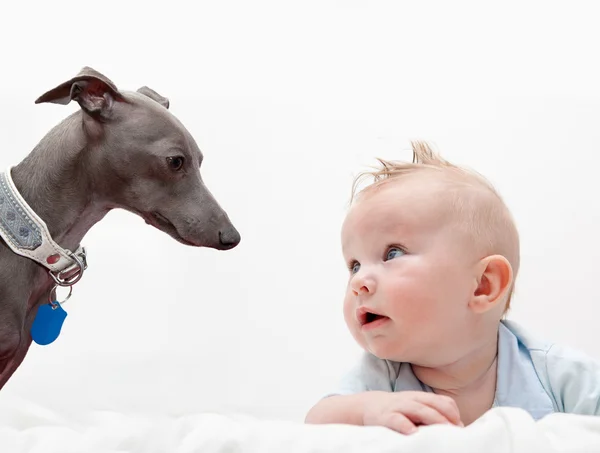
{"points": [[416, 304], [417, 314]]}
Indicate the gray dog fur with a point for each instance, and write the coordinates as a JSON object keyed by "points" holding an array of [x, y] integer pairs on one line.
{"points": [[121, 149]]}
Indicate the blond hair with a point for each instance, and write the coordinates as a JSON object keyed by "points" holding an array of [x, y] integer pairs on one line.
{"points": [[476, 207]]}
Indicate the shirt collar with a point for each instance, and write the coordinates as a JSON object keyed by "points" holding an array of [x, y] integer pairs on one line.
{"points": [[517, 383]]}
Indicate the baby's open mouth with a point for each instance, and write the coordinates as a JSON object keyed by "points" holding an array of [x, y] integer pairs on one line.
{"points": [[367, 317]]}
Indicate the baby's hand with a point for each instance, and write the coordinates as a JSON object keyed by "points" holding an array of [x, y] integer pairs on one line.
{"points": [[403, 411]]}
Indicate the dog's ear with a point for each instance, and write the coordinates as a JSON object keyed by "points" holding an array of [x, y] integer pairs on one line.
{"points": [[94, 92], [154, 95]]}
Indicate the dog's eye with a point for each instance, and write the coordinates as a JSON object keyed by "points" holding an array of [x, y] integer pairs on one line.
{"points": [[175, 162]]}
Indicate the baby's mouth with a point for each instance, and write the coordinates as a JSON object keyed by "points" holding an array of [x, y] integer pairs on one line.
{"points": [[365, 316]]}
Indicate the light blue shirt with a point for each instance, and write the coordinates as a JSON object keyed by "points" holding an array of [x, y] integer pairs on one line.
{"points": [[534, 375]]}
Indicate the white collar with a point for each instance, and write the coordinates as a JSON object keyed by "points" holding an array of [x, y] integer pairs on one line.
{"points": [[27, 235]]}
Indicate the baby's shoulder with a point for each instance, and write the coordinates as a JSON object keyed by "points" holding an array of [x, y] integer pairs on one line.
{"points": [[570, 377], [550, 357]]}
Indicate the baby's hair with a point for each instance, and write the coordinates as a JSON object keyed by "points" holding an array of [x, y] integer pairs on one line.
{"points": [[424, 158], [474, 204]]}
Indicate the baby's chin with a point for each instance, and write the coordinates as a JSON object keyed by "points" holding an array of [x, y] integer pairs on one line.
{"points": [[381, 347], [386, 351], [395, 354]]}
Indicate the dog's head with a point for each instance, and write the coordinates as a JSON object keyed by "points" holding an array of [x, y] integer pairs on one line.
{"points": [[145, 161]]}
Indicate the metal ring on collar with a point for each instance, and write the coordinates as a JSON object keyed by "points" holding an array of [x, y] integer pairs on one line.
{"points": [[71, 281], [56, 303]]}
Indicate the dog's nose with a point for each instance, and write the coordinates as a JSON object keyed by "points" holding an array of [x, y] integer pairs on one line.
{"points": [[229, 237]]}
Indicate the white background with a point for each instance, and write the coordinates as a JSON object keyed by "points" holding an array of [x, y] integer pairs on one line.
{"points": [[288, 100]]}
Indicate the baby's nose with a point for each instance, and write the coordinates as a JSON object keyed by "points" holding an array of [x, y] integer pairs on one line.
{"points": [[362, 290], [363, 286]]}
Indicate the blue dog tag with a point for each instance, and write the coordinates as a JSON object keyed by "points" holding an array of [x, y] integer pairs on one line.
{"points": [[48, 323]]}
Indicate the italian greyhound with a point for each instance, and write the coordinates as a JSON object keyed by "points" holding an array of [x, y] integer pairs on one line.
{"points": [[120, 149]]}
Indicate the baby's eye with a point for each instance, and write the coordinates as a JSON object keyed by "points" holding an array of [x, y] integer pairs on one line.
{"points": [[394, 252], [354, 267]]}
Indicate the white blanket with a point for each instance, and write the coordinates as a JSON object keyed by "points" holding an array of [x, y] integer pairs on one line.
{"points": [[26, 427]]}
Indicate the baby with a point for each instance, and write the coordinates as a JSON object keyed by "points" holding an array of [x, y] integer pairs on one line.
{"points": [[432, 254]]}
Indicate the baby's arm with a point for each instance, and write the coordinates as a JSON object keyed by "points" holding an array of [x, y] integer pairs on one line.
{"points": [[345, 409], [575, 380], [345, 405], [366, 397], [401, 411]]}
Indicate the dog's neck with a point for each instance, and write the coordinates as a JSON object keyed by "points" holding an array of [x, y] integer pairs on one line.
{"points": [[54, 180]]}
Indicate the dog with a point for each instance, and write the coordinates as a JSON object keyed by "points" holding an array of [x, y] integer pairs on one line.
{"points": [[119, 150]]}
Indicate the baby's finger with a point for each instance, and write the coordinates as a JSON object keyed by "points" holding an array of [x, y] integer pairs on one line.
{"points": [[398, 422], [445, 405], [419, 413]]}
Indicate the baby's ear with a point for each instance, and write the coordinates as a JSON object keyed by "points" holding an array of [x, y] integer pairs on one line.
{"points": [[494, 280]]}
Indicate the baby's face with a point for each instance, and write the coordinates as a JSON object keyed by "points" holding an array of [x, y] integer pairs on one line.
{"points": [[411, 275]]}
